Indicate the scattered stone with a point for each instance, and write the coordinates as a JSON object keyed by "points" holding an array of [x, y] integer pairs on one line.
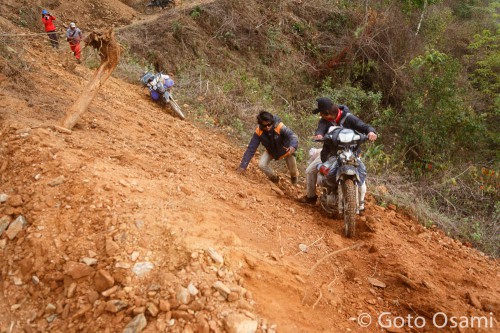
{"points": [[178, 314], [51, 318], [195, 255], [17, 281], [392, 207], [111, 247], [186, 190], [183, 296], [233, 296], [238, 323], [71, 290], [142, 268], [92, 296], [89, 261], [3, 197], [474, 301], [77, 270], [192, 289], [376, 283], [203, 326], [134, 255], [122, 265], [57, 181], [110, 291], [381, 189], [15, 200], [4, 223], [252, 263], [164, 305], [35, 279], [92, 254], [152, 309], [115, 305], [187, 329], [15, 227], [221, 288], [139, 224], [215, 256], [277, 190], [136, 325], [3, 243], [303, 248], [103, 280], [138, 310], [50, 308]]}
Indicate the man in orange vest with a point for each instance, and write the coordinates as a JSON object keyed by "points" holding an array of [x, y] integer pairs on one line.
{"points": [[280, 143]]}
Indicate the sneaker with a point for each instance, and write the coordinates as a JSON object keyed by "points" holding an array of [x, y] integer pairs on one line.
{"points": [[294, 180], [361, 206], [309, 200], [275, 179]]}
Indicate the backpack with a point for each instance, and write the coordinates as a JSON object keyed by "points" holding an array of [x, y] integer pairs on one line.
{"points": [[147, 78]]}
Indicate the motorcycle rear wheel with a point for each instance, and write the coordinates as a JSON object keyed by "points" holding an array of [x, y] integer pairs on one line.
{"points": [[349, 199]]}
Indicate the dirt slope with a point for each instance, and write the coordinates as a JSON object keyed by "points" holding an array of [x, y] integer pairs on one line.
{"points": [[132, 184]]}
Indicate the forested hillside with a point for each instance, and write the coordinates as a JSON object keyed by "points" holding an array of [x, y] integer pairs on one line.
{"points": [[424, 73]]}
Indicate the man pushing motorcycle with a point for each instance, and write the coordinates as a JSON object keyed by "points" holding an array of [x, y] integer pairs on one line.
{"points": [[335, 115]]}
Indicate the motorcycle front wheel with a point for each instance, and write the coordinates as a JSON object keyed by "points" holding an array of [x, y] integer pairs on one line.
{"points": [[176, 108], [349, 199]]}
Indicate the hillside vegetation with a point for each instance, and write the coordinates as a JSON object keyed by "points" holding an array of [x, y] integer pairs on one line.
{"points": [[424, 73]]}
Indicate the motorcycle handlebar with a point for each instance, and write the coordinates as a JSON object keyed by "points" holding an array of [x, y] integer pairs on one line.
{"points": [[363, 138]]}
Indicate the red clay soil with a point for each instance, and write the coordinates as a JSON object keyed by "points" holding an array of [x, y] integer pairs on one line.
{"points": [[133, 184]]}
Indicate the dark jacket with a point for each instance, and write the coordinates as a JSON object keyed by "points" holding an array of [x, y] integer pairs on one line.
{"points": [[276, 141], [346, 120]]}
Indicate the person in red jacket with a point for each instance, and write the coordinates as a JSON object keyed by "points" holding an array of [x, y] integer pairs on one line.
{"points": [[50, 28]]}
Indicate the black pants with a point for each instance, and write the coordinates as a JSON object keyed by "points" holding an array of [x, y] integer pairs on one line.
{"points": [[53, 39]]}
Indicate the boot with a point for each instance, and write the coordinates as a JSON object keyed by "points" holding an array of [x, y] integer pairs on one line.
{"points": [[294, 180], [309, 200], [275, 179]]}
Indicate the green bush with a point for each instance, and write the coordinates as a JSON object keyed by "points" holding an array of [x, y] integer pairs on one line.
{"points": [[436, 122]]}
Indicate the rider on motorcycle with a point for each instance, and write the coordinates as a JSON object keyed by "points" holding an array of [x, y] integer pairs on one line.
{"points": [[333, 115], [160, 85]]}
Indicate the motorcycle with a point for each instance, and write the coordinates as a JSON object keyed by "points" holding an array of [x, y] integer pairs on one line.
{"points": [[160, 93], [339, 178], [155, 4]]}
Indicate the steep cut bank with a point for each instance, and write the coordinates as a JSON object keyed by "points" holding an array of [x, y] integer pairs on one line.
{"points": [[133, 188]]}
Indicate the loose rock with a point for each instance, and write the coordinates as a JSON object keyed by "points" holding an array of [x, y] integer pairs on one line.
{"points": [[136, 325], [215, 256], [15, 227], [238, 323]]}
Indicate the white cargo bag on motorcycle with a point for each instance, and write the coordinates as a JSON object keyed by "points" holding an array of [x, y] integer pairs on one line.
{"points": [[159, 89]]}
